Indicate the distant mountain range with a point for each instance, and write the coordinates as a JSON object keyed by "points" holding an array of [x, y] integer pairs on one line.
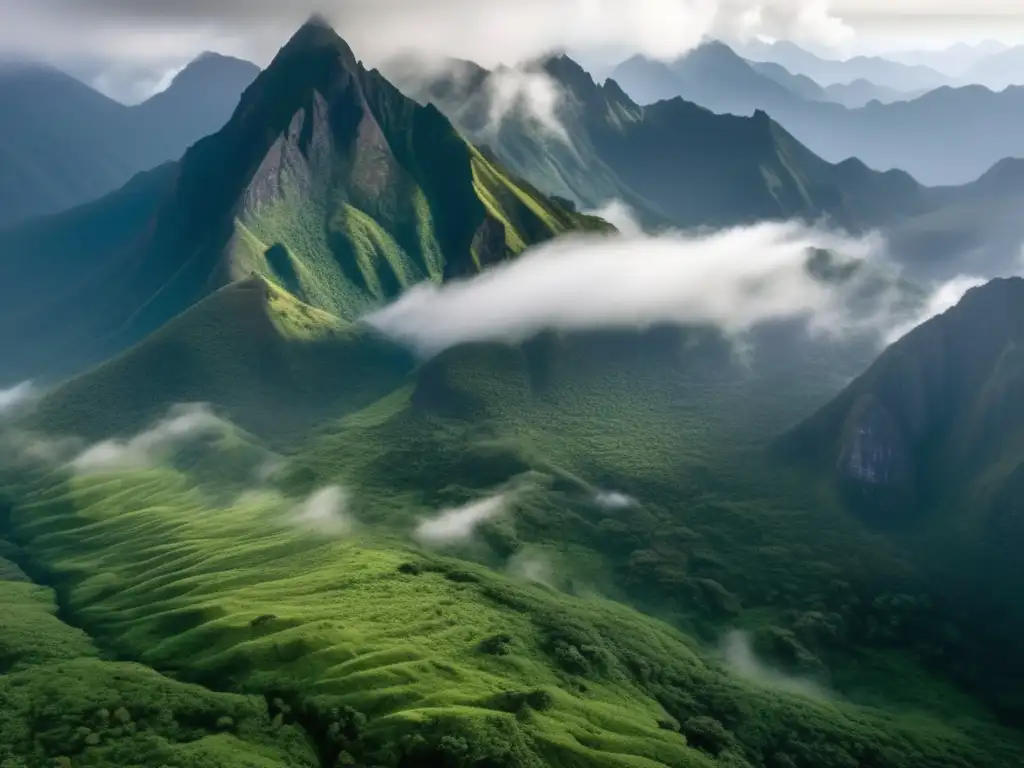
{"points": [[63, 143], [913, 135]]}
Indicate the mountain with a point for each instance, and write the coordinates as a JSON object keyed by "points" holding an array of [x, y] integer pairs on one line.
{"points": [[727, 170], [859, 93], [801, 85], [711, 75], [952, 61], [998, 70], [929, 442], [907, 133], [326, 180], [64, 143], [875, 69]]}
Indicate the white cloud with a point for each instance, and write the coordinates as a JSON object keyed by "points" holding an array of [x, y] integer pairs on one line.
{"points": [[739, 654], [326, 512], [514, 88], [611, 500], [943, 297], [734, 279], [182, 424], [16, 397], [453, 526], [619, 215], [532, 566], [487, 31]]}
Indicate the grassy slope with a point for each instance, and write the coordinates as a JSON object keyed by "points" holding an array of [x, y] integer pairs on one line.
{"points": [[236, 597], [269, 362], [64, 704]]}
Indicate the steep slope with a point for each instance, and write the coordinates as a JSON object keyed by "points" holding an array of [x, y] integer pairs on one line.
{"points": [[64, 143], [326, 180], [725, 170], [271, 364], [929, 442]]}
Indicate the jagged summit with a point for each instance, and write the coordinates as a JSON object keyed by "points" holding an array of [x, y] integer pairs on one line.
{"points": [[326, 180]]}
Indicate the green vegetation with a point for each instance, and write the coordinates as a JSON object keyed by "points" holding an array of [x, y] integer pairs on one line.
{"points": [[621, 574], [327, 181]]}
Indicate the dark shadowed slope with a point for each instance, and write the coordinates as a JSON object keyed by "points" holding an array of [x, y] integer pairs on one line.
{"points": [[326, 180], [64, 143], [929, 443]]}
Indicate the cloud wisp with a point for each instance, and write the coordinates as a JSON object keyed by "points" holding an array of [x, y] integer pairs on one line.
{"points": [[734, 279], [182, 424], [18, 397], [613, 500], [457, 525], [738, 651], [943, 297], [325, 512]]}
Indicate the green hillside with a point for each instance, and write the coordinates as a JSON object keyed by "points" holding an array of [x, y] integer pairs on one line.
{"points": [[928, 446], [327, 181], [272, 364]]}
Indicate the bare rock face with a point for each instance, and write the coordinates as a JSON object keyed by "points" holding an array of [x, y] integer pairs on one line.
{"points": [[875, 465]]}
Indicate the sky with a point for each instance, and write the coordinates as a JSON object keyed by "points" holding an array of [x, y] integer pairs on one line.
{"points": [[128, 47]]}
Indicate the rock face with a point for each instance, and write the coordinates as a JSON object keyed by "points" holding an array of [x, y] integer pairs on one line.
{"points": [[937, 420], [874, 451]]}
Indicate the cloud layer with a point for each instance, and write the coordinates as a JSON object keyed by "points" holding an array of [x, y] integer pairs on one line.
{"points": [[733, 279], [325, 511]]}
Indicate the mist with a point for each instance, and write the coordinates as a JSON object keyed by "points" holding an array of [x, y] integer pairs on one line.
{"points": [[733, 279], [326, 512], [739, 655], [456, 526], [612, 500], [17, 397], [182, 424], [942, 297]]}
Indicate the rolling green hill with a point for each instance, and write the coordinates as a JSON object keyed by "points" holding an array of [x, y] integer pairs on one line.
{"points": [[327, 181]]}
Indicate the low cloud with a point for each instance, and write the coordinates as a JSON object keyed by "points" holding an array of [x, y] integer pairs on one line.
{"points": [[529, 91], [738, 651], [734, 279], [17, 397], [325, 511], [943, 297], [532, 566], [620, 216], [182, 424], [456, 526], [612, 500]]}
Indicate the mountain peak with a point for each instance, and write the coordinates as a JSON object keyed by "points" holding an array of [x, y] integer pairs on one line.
{"points": [[318, 35]]}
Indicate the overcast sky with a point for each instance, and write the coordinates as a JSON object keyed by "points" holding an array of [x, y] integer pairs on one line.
{"points": [[128, 46]]}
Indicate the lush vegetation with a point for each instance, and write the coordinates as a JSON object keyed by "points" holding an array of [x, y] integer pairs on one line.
{"points": [[582, 550]]}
